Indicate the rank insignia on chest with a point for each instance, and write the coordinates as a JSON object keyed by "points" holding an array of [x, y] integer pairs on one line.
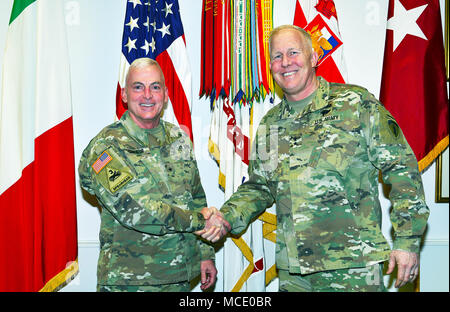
{"points": [[101, 162]]}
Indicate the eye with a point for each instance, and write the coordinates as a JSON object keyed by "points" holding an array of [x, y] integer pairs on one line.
{"points": [[276, 57], [155, 87], [138, 87]]}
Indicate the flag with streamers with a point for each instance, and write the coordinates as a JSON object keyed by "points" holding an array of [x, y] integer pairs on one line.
{"points": [[38, 222], [234, 55], [235, 75], [153, 29], [413, 86]]}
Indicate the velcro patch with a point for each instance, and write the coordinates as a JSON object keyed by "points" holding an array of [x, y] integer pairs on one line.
{"points": [[101, 162], [395, 130], [117, 179]]}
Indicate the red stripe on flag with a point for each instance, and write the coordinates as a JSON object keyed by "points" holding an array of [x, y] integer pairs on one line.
{"points": [[299, 16], [39, 211], [329, 71], [218, 11], [121, 106], [207, 71], [413, 86], [179, 101]]}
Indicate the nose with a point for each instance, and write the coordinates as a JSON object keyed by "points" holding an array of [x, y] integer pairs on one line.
{"points": [[285, 61], [147, 93]]}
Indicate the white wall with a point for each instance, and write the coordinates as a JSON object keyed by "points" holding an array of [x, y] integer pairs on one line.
{"points": [[95, 34]]}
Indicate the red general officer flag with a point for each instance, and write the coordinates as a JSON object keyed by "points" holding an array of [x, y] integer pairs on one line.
{"points": [[413, 84]]}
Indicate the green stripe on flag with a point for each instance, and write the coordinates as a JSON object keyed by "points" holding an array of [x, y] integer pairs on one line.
{"points": [[18, 7]]}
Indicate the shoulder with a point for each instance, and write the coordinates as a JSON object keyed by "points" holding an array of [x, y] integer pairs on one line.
{"points": [[173, 130], [104, 138], [178, 142], [115, 129], [110, 132], [346, 89], [354, 96], [174, 133], [272, 114]]}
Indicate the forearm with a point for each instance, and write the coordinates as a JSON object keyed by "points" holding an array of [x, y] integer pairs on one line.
{"points": [[153, 216], [249, 201]]}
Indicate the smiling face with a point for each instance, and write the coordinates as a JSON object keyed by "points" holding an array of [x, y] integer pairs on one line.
{"points": [[146, 94], [292, 62]]}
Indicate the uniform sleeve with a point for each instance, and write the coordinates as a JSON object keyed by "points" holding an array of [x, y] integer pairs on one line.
{"points": [[390, 153], [253, 196], [199, 202], [136, 211]]}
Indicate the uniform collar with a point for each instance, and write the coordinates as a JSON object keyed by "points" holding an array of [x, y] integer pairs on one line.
{"points": [[143, 137], [318, 102]]}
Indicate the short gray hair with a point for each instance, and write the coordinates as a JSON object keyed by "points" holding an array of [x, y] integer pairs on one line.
{"points": [[143, 62], [278, 29]]}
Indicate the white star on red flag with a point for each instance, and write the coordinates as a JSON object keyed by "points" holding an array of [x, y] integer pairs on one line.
{"points": [[404, 22]]}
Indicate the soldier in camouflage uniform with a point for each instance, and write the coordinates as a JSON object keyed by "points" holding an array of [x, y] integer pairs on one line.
{"points": [[143, 172], [317, 155]]}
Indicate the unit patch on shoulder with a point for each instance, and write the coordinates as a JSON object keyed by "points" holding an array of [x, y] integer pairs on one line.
{"points": [[390, 131], [101, 162], [395, 130], [116, 178]]}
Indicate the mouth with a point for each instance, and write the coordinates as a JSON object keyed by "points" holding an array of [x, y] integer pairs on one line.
{"points": [[288, 74], [146, 105]]}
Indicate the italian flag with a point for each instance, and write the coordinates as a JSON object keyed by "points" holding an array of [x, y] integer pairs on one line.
{"points": [[38, 231]]}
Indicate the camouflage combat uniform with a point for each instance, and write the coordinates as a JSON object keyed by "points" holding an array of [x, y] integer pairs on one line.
{"points": [[320, 167], [151, 195]]}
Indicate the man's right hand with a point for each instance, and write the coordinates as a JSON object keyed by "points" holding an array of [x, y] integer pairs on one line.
{"points": [[216, 226]]}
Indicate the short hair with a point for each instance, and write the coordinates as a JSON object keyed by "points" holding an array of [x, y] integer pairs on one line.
{"points": [[278, 29], [142, 63]]}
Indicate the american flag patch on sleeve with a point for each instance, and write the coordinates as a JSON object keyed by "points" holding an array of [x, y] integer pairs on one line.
{"points": [[101, 162]]}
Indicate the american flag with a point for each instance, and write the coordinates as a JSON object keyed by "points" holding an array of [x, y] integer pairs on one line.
{"points": [[101, 162], [153, 28]]}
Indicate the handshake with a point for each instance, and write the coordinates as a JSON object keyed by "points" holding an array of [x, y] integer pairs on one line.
{"points": [[216, 226]]}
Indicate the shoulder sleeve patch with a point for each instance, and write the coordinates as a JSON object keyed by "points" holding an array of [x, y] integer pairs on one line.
{"points": [[117, 178], [390, 131], [393, 127], [101, 162]]}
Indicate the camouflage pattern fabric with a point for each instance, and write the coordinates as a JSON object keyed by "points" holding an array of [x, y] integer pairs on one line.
{"points": [[176, 287], [367, 279], [320, 167], [151, 196]]}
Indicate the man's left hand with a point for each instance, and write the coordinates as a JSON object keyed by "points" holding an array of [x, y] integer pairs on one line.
{"points": [[408, 266], [208, 274]]}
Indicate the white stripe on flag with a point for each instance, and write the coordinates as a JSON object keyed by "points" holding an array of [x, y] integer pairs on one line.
{"points": [[30, 106], [178, 54]]}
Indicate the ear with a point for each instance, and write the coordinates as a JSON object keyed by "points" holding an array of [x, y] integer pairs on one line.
{"points": [[123, 93], [166, 94], [314, 58]]}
